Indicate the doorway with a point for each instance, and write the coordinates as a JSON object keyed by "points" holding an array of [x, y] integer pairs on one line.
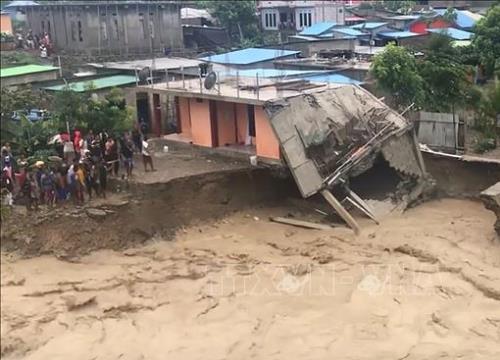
{"points": [[157, 115], [142, 104]]}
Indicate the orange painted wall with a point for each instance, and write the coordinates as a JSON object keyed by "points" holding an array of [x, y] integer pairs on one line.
{"points": [[267, 143], [226, 123], [241, 122], [5, 24], [184, 116], [201, 129]]}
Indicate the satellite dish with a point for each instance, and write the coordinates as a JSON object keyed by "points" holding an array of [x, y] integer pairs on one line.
{"points": [[144, 74], [210, 80]]}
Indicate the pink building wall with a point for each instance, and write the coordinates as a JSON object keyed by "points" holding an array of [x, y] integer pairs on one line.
{"points": [[267, 143], [232, 125], [201, 128], [226, 123]]}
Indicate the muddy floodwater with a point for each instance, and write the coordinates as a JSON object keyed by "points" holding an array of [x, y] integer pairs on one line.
{"points": [[422, 285]]}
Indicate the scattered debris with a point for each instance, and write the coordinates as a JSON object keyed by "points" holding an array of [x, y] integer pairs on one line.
{"points": [[301, 223], [96, 213]]}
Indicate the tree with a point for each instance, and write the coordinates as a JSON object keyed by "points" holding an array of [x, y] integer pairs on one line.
{"points": [[395, 70], [236, 16], [21, 99], [445, 78], [400, 6], [486, 41], [450, 15]]}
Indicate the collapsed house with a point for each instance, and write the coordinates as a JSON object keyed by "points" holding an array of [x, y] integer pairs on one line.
{"points": [[325, 134], [331, 135]]}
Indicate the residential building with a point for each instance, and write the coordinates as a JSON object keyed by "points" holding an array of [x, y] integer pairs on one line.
{"points": [[27, 74], [290, 17], [116, 27], [465, 19]]}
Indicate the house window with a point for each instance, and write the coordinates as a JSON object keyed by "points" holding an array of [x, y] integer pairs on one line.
{"points": [[143, 25], [305, 18], [104, 28], [116, 29], [270, 20]]}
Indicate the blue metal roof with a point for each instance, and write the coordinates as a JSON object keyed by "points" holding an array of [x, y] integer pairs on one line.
{"points": [[465, 19], [368, 25], [398, 34], [249, 56], [318, 29], [349, 31], [270, 73], [455, 34], [333, 78]]}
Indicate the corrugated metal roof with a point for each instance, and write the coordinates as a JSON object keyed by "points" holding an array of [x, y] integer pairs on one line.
{"points": [[271, 73], [20, 3], [249, 56], [318, 29], [404, 17], [369, 25], [25, 70], [398, 34], [455, 34], [97, 84], [349, 31], [465, 18], [332, 78]]}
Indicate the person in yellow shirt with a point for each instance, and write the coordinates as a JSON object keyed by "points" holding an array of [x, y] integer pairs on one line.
{"points": [[79, 182]]}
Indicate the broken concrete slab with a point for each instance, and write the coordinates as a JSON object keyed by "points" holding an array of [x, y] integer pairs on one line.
{"points": [[320, 130], [491, 200]]}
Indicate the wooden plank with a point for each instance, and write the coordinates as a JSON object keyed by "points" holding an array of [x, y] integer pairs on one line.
{"points": [[340, 210], [301, 223]]}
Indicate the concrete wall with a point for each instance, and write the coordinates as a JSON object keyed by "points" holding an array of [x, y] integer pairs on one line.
{"points": [[309, 48], [266, 141], [101, 28], [29, 78]]}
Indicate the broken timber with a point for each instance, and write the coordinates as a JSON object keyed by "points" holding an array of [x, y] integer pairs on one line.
{"points": [[340, 210], [301, 223]]}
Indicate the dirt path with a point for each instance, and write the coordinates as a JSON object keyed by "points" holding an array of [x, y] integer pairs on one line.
{"points": [[423, 285]]}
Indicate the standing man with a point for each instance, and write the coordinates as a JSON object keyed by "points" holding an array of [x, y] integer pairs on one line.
{"points": [[146, 155], [127, 150]]}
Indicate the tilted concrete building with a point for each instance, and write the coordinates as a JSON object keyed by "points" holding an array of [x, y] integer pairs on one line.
{"points": [[113, 26]]}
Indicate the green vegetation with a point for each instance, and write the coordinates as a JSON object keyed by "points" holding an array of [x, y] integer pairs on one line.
{"points": [[238, 17], [442, 79], [486, 42], [18, 58], [396, 73], [81, 111]]}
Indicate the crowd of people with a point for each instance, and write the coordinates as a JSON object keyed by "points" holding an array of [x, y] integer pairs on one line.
{"points": [[79, 172], [31, 41]]}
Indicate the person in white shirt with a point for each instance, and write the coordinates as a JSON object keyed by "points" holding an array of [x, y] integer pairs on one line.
{"points": [[146, 155]]}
